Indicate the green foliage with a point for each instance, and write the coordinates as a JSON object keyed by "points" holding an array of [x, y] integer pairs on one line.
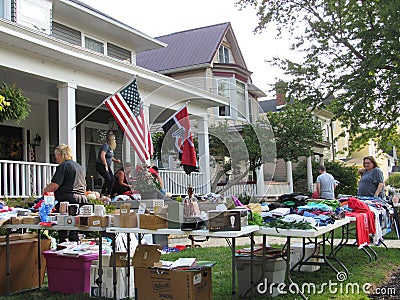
{"points": [[19, 202], [15, 105], [394, 180], [295, 132], [347, 57], [109, 207], [157, 139], [346, 175], [256, 219]]}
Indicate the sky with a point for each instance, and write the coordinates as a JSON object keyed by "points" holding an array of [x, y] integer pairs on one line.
{"points": [[161, 17]]}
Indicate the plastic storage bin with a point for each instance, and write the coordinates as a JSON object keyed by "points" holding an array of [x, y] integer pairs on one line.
{"points": [[274, 272], [66, 274]]}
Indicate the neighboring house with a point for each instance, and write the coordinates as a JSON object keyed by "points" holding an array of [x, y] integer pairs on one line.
{"points": [[210, 59], [386, 161], [67, 58], [322, 150]]}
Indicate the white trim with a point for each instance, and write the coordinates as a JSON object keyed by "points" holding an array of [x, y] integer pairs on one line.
{"points": [[85, 35], [84, 125]]}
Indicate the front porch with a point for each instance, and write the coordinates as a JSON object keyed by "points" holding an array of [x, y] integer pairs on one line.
{"points": [[20, 179]]}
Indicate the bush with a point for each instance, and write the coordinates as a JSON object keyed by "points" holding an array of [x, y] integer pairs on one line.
{"points": [[394, 180], [346, 175]]}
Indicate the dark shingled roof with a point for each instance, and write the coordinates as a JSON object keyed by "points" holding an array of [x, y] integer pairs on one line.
{"points": [[185, 49], [267, 105]]}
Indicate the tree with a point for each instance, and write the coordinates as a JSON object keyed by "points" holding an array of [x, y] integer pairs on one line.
{"points": [[351, 60], [346, 175], [295, 132], [394, 180], [230, 147]]}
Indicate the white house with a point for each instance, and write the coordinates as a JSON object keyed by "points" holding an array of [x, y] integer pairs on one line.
{"points": [[67, 58]]}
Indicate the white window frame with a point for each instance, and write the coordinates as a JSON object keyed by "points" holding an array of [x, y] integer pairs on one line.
{"points": [[35, 14], [242, 115], [226, 94], [84, 36], [6, 7], [224, 53]]}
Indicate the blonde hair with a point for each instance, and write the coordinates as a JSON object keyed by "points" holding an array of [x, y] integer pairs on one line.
{"points": [[111, 141], [65, 152]]}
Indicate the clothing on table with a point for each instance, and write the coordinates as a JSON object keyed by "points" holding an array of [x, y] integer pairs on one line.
{"points": [[327, 186], [369, 182]]}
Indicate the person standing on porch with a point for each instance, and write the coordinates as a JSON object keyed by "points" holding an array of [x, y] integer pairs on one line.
{"points": [[68, 184], [104, 161], [326, 184]]}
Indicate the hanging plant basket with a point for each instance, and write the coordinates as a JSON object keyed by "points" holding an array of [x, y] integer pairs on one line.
{"points": [[13, 104]]}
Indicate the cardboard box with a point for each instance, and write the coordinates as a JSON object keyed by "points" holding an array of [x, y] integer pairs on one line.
{"points": [[152, 222], [147, 256], [125, 220], [155, 283], [229, 220], [92, 221], [24, 273], [65, 220], [16, 220], [31, 220], [107, 288], [120, 259]]}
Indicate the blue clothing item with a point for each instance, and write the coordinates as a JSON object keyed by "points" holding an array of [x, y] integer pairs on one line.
{"points": [[315, 206], [109, 154], [326, 186], [369, 183]]}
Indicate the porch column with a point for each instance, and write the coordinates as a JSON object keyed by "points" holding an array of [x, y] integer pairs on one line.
{"points": [[260, 181], [204, 151], [66, 115], [310, 182], [289, 175], [321, 160], [146, 113]]}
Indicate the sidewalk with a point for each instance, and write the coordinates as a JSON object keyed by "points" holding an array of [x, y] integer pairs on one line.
{"points": [[271, 240]]}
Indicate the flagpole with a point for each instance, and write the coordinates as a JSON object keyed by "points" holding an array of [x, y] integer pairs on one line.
{"points": [[89, 114]]}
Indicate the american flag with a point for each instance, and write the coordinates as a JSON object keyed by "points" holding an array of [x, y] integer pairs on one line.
{"points": [[127, 108]]}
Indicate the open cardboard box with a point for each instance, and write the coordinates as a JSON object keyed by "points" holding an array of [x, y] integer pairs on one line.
{"points": [[151, 282]]}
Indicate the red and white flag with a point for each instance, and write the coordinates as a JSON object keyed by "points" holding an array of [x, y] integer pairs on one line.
{"points": [[127, 108], [178, 128]]}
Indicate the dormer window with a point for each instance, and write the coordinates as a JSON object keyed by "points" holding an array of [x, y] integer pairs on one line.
{"points": [[223, 56], [94, 44]]}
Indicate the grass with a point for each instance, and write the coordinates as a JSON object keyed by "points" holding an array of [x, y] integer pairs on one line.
{"points": [[361, 271]]}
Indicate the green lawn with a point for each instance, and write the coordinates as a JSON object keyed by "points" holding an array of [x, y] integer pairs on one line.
{"points": [[361, 272]]}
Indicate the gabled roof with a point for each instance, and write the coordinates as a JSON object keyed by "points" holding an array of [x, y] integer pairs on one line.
{"points": [[186, 49]]}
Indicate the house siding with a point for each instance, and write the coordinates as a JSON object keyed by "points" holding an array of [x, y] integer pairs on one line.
{"points": [[66, 34], [118, 52], [194, 78]]}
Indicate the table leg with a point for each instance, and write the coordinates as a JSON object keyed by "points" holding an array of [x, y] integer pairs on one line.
{"points": [[251, 263], [39, 247], [100, 260], [114, 262], [128, 263], [233, 246], [289, 280], [8, 231]]}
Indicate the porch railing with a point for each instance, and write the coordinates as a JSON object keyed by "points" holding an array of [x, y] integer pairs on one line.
{"points": [[177, 182], [19, 179], [241, 188]]}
